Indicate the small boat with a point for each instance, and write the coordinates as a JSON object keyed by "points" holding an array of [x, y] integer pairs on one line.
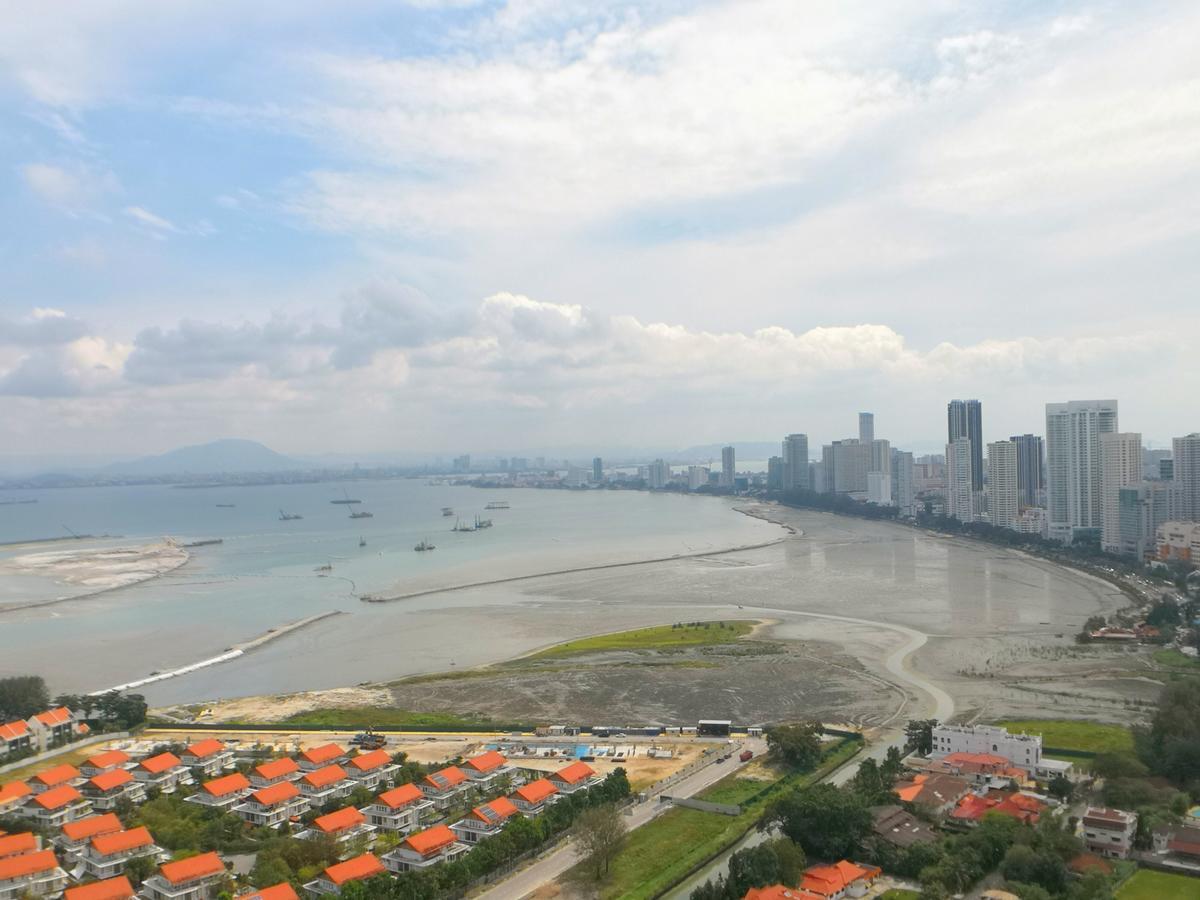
{"points": [[497, 504], [328, 567], [289, 517], [362, 542], [482, 523], [424, 545], [346, 499], [226, 505], [447, 510], [362, 514], [459, 526]]}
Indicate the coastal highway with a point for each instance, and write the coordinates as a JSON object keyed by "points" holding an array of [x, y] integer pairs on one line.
{"points": [[527, 880]]}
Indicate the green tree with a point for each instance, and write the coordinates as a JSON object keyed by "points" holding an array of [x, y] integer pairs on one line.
{"points": [[21, 696], [1043, 868], [600, 834], [798, 745], [1061, 787], [140, 868], [826, 822], [918, 736]]}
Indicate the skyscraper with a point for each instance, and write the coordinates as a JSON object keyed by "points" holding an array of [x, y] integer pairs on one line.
{"points": [[881, 456], [1073, 494], [727, 467], [1120, 467], [964, 419], [1031, 472], [795, 462], [1002, 490], [775, 473], [960, 495], [846, 466], [1185, 471], [597, 469], [866, 427], [903, 489]]}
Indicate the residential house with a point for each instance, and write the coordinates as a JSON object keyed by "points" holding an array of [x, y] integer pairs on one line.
{"points": [[277, 770], [1109, 832], [56, 807], [842, 879], [972, 808], [576, 777], [318, 757], [399, 809], [986, 769], [338, 875], [533, 798], [117, 888], [13, 796], [47, 779], [164, 771], [323, 785], [75, 836], [272, 806], [372, 769], [16, 844], [442, 786], [15, 737], [487, 768], [107, 788], [485, 821], [53, 728], [107, 855], [207, 759], [936, 793], [425, 849], [780, 892], [1180, 843], [897, 826], [347, 827], [35, 874], [222, 793], [104, 762], [195, 878], [281, 891]]}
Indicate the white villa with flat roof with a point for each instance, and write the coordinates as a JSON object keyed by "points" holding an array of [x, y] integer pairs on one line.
{"points": [[1023, 750]]}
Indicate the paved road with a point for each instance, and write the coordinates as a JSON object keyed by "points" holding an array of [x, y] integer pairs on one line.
{"points": [[525, 881]]}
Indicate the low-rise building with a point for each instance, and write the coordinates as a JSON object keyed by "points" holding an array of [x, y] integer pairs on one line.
{"points": [[48, 779], [936, 793], [372, 769], [207, 759], [54, 808], [104, 762], [442, 786], [1023, 807], [337, 876], [842, 879], [15, 737], [897, 826], [272, 806], [36, 874], [195, 878], [533, 798], [75, 836], [1023, 750], [277, 770], [487, 768], [53, 728], [399, 809], [576, 777], [319, 757], [164, 772], [425, 849], [117, 888], [985, 769], [281, 891], [222, 793], [1109, 832], [1180, 843], [1179, 541], [109, 788], [485, 821], [13, 796], [347, 827], [16, 844], [320, 786], [107, 855]]}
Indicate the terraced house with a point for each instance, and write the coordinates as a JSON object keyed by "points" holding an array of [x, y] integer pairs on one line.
{"points": [[107, 855], [47, 779], [13, 796], [195, 878], [399, 809], [54, 727]]}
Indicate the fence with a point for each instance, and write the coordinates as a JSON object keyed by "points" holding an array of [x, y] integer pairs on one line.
{"points": [[65, 748]]}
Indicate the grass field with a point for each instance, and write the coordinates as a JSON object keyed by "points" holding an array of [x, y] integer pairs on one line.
{"points": [[664, 851], [386, 717], [1175, 660], [1150, 885], [70, 758], [899, 894], [659, 638], [1084, 737]]}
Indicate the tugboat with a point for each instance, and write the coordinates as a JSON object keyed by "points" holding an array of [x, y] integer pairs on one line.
{"points": [[447, 510], [424, 545], [289, 517]]}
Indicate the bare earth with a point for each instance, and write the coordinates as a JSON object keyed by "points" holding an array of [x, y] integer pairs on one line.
{"points": [[99, 568]]}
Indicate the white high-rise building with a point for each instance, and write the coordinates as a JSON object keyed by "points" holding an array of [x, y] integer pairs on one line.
{"points": [[727, 466], [866, 427], [903, 488], [795, 462], [879, 488], [960, 493], [1186, 466], [1073, 492], [658, 473], [1120, 467], [846, 466], [697, 477], [881, 456], [1002, 481]]}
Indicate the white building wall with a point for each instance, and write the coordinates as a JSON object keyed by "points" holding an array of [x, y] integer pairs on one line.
{"points": [[1120, 467], [1002, 484], [960, 497], [1024, 750]]}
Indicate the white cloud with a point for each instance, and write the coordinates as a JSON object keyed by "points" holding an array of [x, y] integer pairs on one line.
{"points": [[143, 216]]}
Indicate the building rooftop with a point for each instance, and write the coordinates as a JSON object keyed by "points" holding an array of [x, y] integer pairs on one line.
{"points": [[107, 760], [56, 775], [117, 888], [193, 868], [27, 864], [204, 749], [121, 841], [365, 866], [276, 793], [82, 829], [430, 840], [340, 820], [400, 796], [113, 778], [12, 844], [324, 777], [156, 765], [277, 768]]}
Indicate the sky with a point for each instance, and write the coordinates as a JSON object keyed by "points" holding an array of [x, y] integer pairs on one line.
{"points": [[451, 225]]}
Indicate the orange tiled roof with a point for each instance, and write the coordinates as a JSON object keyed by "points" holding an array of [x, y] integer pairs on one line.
{"points": [[360, 867], [780, 892], [82, 829], [57, 775], [317, 755], [430, 840], [14, 790], [117, 888], [536, 791], [193, 867], [495, 812], [54, 717], [972, 807], [325, 777], [11, 844], [12, 730], [828, 881], [27, 864], [486, 762], [446, 778], [574, 773], [113, 778], [276, 793], [365, 762], [120, 841], [281, 891], [401, 796], [277, 768], [156, 765], [58, 797], [223, 787], [202, 749], [107, 760], [340, 820]]}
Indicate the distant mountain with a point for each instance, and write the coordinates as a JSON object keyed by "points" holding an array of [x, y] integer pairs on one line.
{"points": [[741, 450], [216, 458]]}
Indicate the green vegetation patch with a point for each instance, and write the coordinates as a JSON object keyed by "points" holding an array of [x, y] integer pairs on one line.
{"points": [[1079, 737], [387, 717], [657, 638], [1175, 660], [1150, 885], [733, 789], [900, 894]]}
